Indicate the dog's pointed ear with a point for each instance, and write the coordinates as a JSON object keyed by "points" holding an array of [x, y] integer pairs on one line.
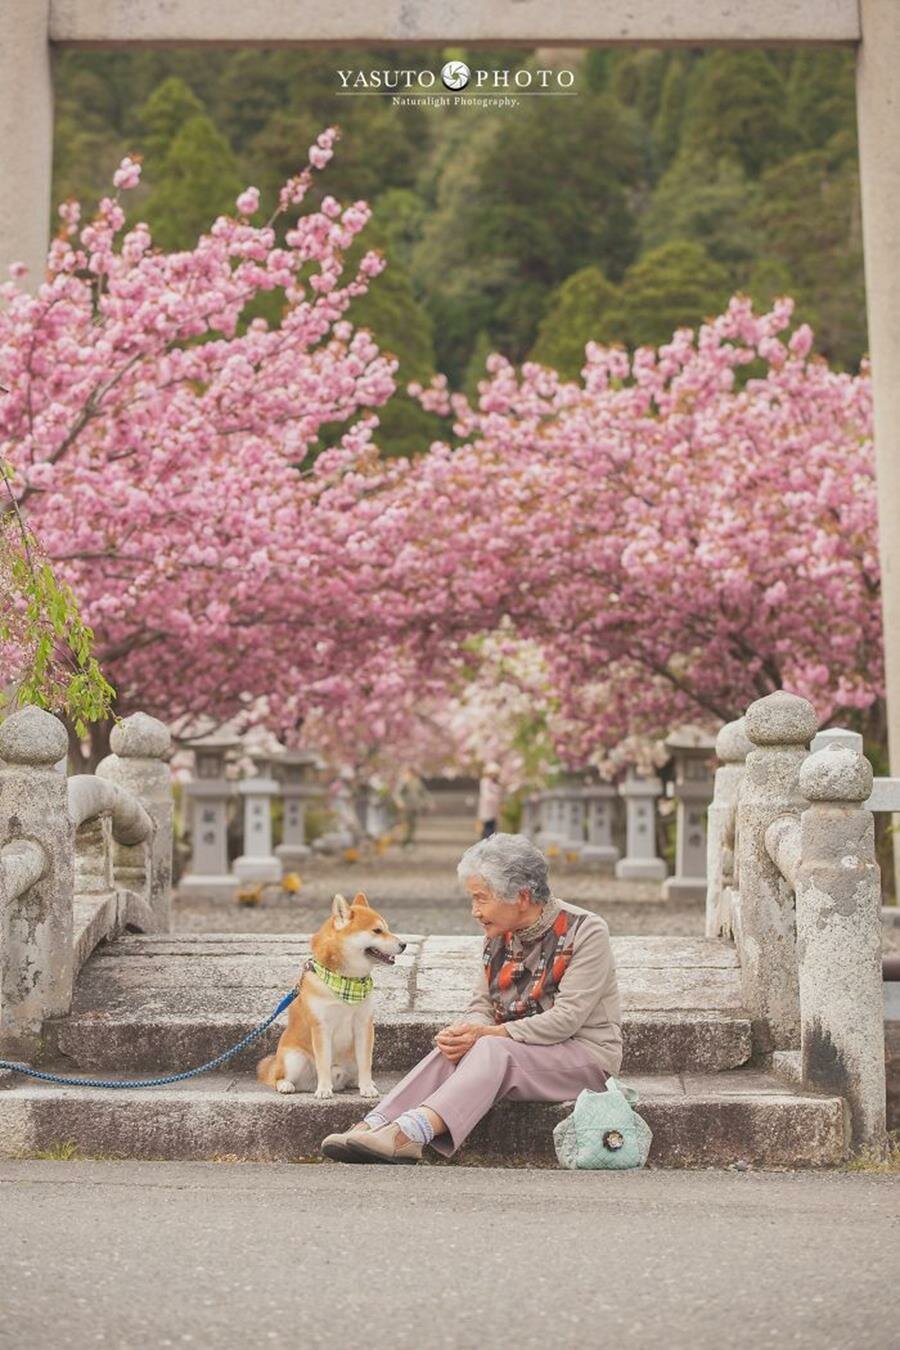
{"points": [[340, 912], [360, 901]]}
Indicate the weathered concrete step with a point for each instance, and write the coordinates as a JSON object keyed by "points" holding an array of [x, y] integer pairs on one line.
{"points": [[163, 1002], [655, 1042], [697, 1121]]}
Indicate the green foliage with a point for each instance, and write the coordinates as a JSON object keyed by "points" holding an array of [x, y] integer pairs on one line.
{"points": [[519, 204], [577, 312], [707, 202], [399, 214], [476, 370], [672, 286], [198, 181], [638, 79], [822, 94], [43, 635], [737, 108], [168, 108], [670, 116], [810, 217]]}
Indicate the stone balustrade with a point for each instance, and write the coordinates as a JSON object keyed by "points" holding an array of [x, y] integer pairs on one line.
{"points": [[78, 856], [732, 748], [793, 874], [828, 858], [780, 727], [140, 747]]}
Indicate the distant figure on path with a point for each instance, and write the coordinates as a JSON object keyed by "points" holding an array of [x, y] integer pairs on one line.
{"points": [[490, 795], [412, 797]]}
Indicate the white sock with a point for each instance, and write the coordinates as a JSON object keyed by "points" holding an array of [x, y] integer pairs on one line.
{"points": [[375, 1120], [416, 1126]]}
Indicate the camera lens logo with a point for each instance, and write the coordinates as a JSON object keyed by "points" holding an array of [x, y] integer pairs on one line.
{"points": [[455, 74]]}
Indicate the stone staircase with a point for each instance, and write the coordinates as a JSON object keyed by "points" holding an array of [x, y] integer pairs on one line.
{"points": [[152, 1005]]}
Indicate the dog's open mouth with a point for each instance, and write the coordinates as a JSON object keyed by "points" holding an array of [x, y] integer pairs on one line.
{"points": [[376, 955]]}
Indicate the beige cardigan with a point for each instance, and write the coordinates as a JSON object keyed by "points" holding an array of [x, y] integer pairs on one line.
{"points": [[586, 1008]]}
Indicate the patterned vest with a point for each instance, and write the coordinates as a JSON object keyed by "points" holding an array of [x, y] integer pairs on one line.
{"points": [[523, 975]]}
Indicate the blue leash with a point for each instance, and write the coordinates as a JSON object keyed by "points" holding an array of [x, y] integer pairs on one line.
{"points": [[154, 1082]]}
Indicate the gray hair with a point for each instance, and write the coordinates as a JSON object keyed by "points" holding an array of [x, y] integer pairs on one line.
{"points": [[507, 863]]}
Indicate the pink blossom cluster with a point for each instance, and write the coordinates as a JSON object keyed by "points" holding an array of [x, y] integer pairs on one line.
{"points": [[682, 531], [156, 435]]}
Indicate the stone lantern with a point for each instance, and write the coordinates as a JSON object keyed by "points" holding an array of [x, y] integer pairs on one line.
{"points": [[600, 800], [641, 861], [693, 751], [258, 862], [209, 793], [295, 769]]}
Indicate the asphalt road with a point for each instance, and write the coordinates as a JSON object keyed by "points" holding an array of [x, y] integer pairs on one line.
{"points": [[145, 1254]]}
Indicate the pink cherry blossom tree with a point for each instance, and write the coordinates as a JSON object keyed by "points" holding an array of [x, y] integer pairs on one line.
{"points": [[157, 442], [682, 531]]}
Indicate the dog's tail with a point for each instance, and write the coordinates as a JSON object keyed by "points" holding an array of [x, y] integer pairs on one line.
{"points": [[265, 1070]]}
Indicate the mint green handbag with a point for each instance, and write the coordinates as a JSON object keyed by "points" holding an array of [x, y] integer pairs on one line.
{"points": [[603, 1131]]}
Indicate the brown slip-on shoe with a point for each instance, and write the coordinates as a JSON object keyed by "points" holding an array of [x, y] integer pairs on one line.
{"points": [[387, 1144], [334, 1146]]}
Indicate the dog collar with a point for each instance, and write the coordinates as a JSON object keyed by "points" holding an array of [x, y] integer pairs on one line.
{"points": [[350, 988]]}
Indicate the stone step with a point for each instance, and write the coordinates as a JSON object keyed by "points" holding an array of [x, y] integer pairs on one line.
{"points": [[160, 1003], [654, 1042], [697, 1121]]}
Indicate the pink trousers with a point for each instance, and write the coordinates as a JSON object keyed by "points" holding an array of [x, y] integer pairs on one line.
{"points": [[495, 1067]]}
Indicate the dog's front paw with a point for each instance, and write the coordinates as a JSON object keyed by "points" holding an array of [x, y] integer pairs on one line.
{"points": [[285, 1085], [324, 1092], [368, 1090]]}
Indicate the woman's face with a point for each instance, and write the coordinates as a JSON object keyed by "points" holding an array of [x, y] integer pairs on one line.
{"points": [[495, 916]]}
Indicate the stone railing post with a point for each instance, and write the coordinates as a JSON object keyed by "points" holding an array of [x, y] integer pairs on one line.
{"points": [[641, 861], [258, 862], [732, 748], [692, 790], [209, 794], [838, 887], [23, 863], [780, 727], [37, 926], [600, 799], [141, 747], [94, 857], [294, 768]]}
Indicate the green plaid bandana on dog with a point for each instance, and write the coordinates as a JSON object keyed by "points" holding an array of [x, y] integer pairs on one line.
{"points": [[351, 988]]}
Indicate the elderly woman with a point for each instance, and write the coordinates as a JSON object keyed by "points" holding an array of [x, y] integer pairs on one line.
{"points": [[543, 1021]]}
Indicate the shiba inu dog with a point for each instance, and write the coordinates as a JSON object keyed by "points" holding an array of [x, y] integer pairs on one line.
{"points": [[327, 1043]]}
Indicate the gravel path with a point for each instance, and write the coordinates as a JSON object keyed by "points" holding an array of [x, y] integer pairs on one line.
{"points": [[417, 890]]}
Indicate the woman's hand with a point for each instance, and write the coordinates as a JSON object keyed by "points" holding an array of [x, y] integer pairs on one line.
{"points": [[457, 1040]]}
